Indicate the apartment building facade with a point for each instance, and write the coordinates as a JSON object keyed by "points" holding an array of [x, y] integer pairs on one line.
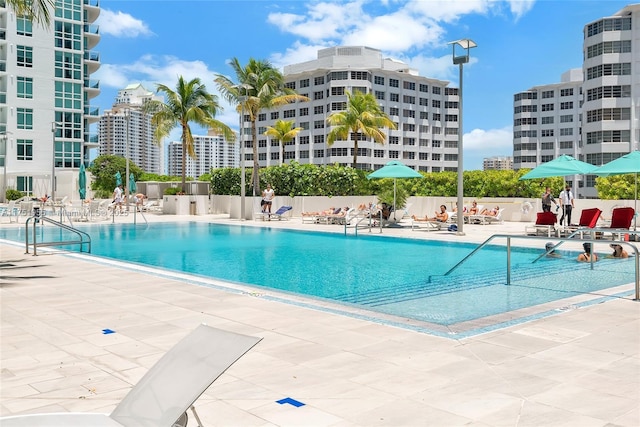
{"points": [[592, 114], [212, 151], [45, 97], [497, 163], [126, 130], [424, 110]]}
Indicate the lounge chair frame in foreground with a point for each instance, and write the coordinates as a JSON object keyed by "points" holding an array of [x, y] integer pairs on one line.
{"points": [[167, 390]]}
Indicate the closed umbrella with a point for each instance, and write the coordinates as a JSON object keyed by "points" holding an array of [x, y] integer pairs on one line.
{"points": [[132, 184], [118, 178], [82, 183], [395, 169], [629, 163]]}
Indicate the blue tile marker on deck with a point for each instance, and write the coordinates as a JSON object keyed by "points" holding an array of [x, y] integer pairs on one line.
{"points": [[290, 401], [108, 331]]}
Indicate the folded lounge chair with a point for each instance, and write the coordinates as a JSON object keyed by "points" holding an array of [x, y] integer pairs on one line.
{"points": [[167, 390], [545, 224]]}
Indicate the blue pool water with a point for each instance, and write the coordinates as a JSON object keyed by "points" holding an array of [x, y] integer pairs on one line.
{"points": [[399, 277]]}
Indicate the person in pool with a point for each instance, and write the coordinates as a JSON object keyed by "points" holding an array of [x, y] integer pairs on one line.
{"points": [[618, 251], [587, 255], [553, 254]]}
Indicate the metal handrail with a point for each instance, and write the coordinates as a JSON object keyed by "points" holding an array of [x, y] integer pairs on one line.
{"points": [[42, 219], [359, 220], [561, 240]]}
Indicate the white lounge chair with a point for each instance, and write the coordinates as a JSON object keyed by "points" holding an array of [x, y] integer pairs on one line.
{"points": [[167, 390], [425, 224]]}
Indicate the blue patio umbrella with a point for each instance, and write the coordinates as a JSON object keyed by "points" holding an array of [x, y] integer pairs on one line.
{"points": [[118, 178], [395, 169], [560, 166], [132, 184], [82, 183]]}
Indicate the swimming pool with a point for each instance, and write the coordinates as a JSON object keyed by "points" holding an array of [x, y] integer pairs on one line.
{"points": [[401, 278]]}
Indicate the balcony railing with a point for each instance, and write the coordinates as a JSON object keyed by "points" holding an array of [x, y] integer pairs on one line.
{"points": [[92, 56], [92, 84], [92, 29], [94, 3], [94, 112]]}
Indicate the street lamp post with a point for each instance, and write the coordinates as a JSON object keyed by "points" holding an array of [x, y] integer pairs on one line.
{"points": [[465, 44]]}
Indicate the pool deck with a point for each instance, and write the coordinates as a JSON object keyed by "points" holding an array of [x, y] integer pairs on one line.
{"points": [[580, 367]]}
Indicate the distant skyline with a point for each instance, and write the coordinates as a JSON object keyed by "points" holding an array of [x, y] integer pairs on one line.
{"points": [[521, 44]]}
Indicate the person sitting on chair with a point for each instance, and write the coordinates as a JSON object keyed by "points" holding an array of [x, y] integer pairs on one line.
{"points": [[441, 216], [587, 255], [473, 210], [490, 212]]}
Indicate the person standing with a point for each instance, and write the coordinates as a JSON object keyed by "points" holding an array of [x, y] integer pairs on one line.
{"points": [[547, 199], [117, 198], [267, 198], [566, 198]]}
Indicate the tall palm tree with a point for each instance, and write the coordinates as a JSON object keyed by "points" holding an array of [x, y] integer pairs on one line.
{"points": [[259, 86], [362, 116], [36, 10], [284, 132], [190, 102]]}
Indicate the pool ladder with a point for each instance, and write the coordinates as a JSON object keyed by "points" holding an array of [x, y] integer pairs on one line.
{"points": [[83, 238], [561, 240]]}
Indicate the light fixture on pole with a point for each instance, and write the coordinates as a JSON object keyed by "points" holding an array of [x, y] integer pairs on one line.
{"points": [[459, 60]]}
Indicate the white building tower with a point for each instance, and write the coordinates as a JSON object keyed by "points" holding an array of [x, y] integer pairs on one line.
{"points": [[425, 111], [45, 93], [125, 130], [213, 151]]}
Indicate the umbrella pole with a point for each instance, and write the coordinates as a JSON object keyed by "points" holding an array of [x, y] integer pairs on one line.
{"points": [[395, 180]]}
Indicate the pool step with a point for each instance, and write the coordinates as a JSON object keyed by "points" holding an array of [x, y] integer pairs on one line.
{"points": [[436, 285]]}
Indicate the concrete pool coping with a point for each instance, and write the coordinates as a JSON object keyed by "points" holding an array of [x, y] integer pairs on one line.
{"points": [[580, 367]]}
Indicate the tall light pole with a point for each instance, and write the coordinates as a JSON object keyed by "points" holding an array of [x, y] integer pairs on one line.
{"points": [[127, 116], [54, 128], [242, 100], [460, 60], [5, 153]]}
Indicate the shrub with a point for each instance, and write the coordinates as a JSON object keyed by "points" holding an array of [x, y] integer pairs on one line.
{"points": [[13, 194]]}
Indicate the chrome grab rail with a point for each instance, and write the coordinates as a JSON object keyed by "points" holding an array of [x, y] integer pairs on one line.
{"points": [[42, 219], [636, 251]]}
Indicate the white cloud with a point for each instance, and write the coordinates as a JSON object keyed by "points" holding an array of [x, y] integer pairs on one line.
{"points": [[120, 24], [520, 7], [494, 141]]}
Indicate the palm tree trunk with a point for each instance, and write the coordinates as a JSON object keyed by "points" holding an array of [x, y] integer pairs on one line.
{"points": [[254, 140], [184, 162], [282, 160], [355, 154]]}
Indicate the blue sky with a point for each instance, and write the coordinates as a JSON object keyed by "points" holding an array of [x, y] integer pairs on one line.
{"points": [[521, 43]]}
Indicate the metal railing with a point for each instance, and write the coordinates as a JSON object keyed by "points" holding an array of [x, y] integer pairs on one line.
{"points": [[561, 240], [83, 238]]}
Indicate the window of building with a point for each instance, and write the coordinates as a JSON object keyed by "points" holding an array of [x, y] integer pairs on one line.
{"points": [[289, 114], [68, 65], [69, 9], [423, 88], [451, 104], [25, 149], [25, 118], [565, 144], [304, 125], [338, 75], [408, 99], [617, 69], [338, 106], [568, 118], [379, 95], [424, 128], [275, 143], [335, 91], [546, 132], [24, 26], [566, 131], [379, 80], [290, 85], [275, 115], [423, 156], [69, 125], [408, 141], [547, 94], [262, 143], [68, 35], [275, 156], [436, 143], [409, 85], [339, 151], [394, 140], [318, 139], [547, 120], [25, 87], [24, 56], [24, 184], [360, 75], [547, 107], [424, 115], [436, 90], [394, 82], [68, 154], [435, 103], [318, 124], [303, 140], [436, 117], [408, 113], [394, 97], [68, 95], [436, 156], [394, 111], [289, 155], [546, 145], [566, 105], [304, 154], [408, 127], [393, 154], [318, 95], [450, 131], [450, 157], [450, 117], [318, 81], [262, 117], [304, 83], [408, 155], [378, 153], [262, 130], [318, 153], [566, 92], [451, 144], [304, 111]]}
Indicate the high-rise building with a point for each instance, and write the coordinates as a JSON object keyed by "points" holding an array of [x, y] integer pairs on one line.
{"points": [[593, 113], [126, 130], [497, 163], [45, 93], [212, 151], [424, 110]]}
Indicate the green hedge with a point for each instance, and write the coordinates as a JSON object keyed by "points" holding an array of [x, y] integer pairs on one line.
{"points": [[294, 179]]}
